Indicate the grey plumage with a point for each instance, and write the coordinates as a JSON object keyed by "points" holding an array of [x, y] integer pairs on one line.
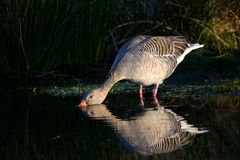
{"points": [[149, 60], [145, 60]]}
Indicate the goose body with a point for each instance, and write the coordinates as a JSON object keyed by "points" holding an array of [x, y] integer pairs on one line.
{"points": [[146, 60]]}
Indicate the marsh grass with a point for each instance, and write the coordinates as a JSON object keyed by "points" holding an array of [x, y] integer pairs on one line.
{"points": [[39, 37], [232, 86]]}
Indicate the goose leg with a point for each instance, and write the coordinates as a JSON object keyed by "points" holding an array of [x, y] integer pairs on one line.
{"points": [[154, 93], [141, 95], [140, 92]]}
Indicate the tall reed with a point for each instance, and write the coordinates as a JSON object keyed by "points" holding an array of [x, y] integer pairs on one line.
{"points": [[41, 36]]}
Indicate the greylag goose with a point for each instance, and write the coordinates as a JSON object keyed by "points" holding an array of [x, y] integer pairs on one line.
{"points": [[146, 60]]}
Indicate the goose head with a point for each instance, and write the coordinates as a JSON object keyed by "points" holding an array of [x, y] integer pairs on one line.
{"points": [[93, 97]]}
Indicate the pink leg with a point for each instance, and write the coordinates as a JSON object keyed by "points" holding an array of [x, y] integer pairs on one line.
{"points": [[154, 93], [141, 95], [140, 92]]}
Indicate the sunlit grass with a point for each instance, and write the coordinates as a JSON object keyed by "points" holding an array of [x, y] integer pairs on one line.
{"points": [[119, 88], [232, 86], [82, 88]]}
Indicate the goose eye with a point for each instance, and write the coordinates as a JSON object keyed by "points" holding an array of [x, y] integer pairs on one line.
{"points": [[90, 97]]}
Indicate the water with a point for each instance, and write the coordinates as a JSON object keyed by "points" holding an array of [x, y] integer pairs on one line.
{"points": [[47, 127]]}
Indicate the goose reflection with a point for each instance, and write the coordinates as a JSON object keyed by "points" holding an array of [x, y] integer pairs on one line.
{"points": [[152, 131]]}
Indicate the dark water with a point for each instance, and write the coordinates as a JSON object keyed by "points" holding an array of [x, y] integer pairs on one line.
{"points": [[46, 127]]}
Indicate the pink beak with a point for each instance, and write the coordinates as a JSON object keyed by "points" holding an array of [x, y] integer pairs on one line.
{"points": [[83, 105]]}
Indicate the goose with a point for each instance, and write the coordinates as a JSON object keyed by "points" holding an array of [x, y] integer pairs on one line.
{"points": [[145, 60]]}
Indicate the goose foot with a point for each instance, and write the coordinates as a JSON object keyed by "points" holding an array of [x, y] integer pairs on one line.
{"points": [[141, 102], [155, 101]]}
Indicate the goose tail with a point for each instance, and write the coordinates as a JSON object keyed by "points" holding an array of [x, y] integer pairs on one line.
{"points": [[195, 46], [188, 50]]}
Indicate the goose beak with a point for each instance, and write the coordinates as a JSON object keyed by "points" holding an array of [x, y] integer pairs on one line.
{"points": [[83, 105]]}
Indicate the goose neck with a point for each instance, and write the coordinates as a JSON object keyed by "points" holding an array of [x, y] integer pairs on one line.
{"points": [[107, 85]]}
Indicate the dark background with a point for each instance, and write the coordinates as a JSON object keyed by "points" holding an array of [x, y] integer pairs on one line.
{"points": [[77, 37]]}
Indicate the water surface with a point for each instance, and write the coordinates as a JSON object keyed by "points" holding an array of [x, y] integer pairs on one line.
{"points": [[47, 127]]}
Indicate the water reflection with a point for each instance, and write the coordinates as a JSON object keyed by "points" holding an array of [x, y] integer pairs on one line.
{"points": [[150, 131]]}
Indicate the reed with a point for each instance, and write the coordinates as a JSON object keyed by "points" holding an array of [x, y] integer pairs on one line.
{"points": [[40, 36], [43, 36]]}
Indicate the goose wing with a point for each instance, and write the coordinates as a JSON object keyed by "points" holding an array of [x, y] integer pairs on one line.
{"points": [[129, 45], [163, 46]]}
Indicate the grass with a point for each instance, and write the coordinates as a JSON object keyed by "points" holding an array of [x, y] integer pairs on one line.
{"points": [[232, 86], [82, 88], [119, 88]]}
